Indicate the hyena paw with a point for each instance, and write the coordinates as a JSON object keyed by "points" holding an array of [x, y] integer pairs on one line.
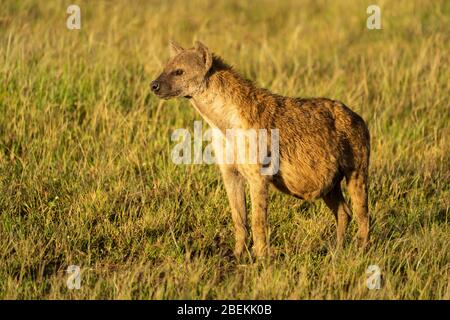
{"points": [[363, 242], [260, 251], [238, 251]]}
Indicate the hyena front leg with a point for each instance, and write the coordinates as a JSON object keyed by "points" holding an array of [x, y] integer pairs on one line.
{"points": [[235, 187], [259, 194]]}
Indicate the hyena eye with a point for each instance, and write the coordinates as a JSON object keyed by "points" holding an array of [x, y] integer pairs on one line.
{"points": [[178, 72]]}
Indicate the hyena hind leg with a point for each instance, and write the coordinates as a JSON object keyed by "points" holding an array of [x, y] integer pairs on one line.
{"points": [[357, 183], [336, 203]]}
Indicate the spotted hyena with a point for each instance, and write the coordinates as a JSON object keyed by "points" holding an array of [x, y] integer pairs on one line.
{"points": [[321, 141]]}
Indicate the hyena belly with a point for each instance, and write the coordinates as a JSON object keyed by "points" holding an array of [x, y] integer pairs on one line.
{"points": [[314, 150], [300, 181]]}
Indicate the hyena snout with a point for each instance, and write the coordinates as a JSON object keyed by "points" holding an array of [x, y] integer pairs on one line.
{"points": [[163, 88], [155, 86]]}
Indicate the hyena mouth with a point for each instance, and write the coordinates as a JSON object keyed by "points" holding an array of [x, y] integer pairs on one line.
{"points": [[169, 95]]}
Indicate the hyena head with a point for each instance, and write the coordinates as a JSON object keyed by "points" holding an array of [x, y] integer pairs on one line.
{"points": [[185, 73]]}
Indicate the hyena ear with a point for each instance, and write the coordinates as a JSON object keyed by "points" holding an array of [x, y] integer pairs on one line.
{"points": [[174, 48], [205, 54]]}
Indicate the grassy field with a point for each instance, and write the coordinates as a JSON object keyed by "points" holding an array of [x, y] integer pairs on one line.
{"points": [[86, 176]]}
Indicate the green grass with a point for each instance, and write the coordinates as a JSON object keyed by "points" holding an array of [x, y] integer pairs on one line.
{"points": [[86, 176]]}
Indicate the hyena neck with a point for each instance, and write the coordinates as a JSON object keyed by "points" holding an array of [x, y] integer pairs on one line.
{"points": [[228, 100]]}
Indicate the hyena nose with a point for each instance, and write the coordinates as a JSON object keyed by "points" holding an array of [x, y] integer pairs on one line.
{"points": [[155, 86]]}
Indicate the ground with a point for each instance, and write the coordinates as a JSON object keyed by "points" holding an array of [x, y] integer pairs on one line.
{"points": [[86, 176]]}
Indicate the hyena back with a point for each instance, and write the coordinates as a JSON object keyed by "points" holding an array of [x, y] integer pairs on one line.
{"points": [[321, 141]]}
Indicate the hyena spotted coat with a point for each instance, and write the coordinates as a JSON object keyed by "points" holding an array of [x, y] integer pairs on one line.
{"points": [[321, 141]]}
